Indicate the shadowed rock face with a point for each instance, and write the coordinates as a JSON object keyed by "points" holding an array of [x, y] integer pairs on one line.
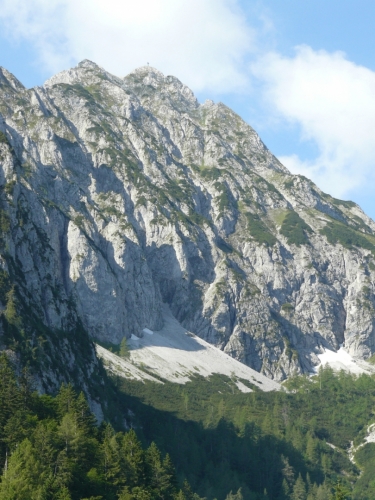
{"points": [[122, 194]]}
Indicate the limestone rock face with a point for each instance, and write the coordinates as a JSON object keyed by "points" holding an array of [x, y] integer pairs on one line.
{"points": [[118, 195]]}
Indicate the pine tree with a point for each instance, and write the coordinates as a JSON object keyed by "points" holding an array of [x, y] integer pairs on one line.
{"points": [[140, 493], [326, 463], [187, 491], [125, 494], [85, 419], [10, 405], [340, 493], [322, 493], [26, 387], [10, 312], [68, 430], [287, 470], [310, 488], [154, 466], [180, 495], [124, 348], [312, 449], [161, 474], [111, 460], [299, 489], [66, 400], [25, 475], [235, 496], [10, 396], [168, 482], [17, 428], [133, 460], [63, 494], [285, 490], [45, 439], [313, 492], [277, 419]]}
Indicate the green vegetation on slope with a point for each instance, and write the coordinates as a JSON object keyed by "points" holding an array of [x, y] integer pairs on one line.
{"points": [[208, 173], [295, 229], [224, 200], [3, 138], [51, 449], [259, 231], [344, 203], [335, 232], [222, 440], [365, 486], [281, 446]]}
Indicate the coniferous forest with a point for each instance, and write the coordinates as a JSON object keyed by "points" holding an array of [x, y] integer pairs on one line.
{"points": [[52, 449], [201, 439]]}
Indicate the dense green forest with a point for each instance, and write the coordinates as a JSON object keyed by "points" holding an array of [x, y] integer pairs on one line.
{"points": [[278, 445], [52, 449], [204, 437]]}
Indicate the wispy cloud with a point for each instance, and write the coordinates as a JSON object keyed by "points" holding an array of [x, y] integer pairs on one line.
{"points": [[333, 101], [203, 42]]}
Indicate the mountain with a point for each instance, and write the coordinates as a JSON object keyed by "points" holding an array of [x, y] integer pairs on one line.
{"points": [[119, 195]]}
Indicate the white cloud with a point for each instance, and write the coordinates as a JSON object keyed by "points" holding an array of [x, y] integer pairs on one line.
{"points": [[333, 101], [203, 42], [208, 45]]}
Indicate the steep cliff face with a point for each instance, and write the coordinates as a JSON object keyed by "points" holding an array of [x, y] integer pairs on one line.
{"points": [[120, 194]]}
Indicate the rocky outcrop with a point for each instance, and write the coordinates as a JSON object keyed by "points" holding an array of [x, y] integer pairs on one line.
{"points": [[120, 194]]}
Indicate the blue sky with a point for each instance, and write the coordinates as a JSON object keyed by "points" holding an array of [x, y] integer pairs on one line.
{"points": [[302, 73]]}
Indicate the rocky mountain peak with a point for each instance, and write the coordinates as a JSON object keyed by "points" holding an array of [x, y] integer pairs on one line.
{"points": [[86, 63], [86, 72], [7, 79], [146, 81], [147, 72], [121, 195]]}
